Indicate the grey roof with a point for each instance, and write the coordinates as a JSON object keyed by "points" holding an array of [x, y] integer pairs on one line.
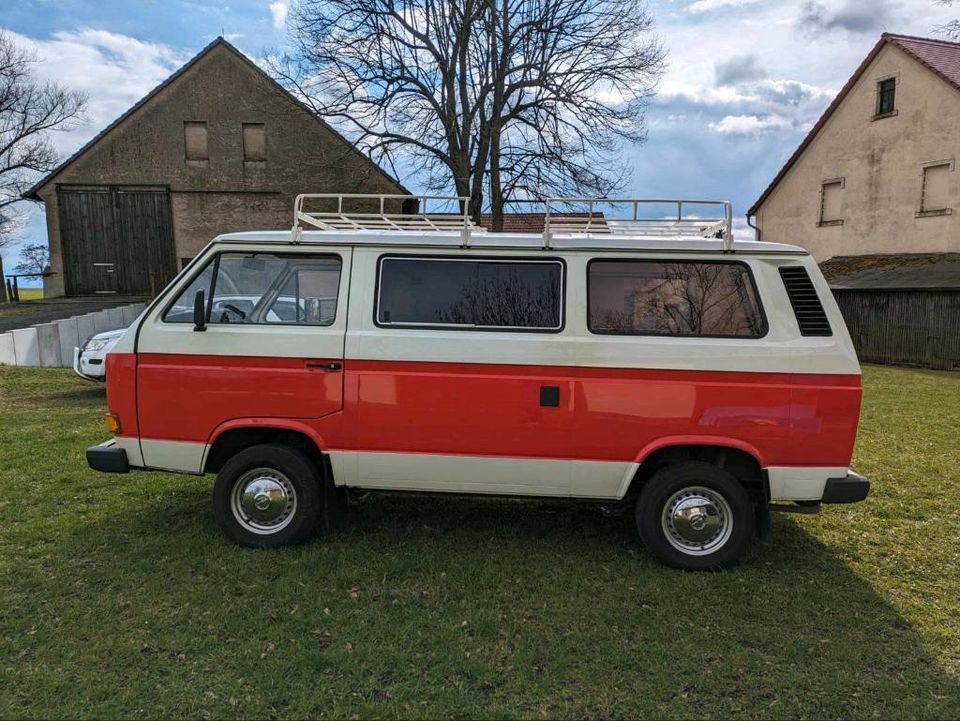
{"points": [[897, 271], [219, 41]]}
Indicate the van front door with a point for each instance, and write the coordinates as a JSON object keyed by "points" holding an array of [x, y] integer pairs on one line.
{"points": [[271, 349]]}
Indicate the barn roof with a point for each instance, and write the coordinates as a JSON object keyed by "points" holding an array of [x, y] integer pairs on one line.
{"points": [[898, 271], [218, 42], [939, 56]]}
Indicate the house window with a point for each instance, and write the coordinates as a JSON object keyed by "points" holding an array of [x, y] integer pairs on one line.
{"points": [[886, 96], [830, 197], [195, 141], [935, 196], [254, 142]]}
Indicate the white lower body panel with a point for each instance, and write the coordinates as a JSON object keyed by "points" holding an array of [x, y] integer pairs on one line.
{"points": [[181, 456], [481, 474], [801, 483]]}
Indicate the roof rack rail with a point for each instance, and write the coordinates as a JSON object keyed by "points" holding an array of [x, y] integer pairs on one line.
{"points": [[384, 212], [409, 213], [636, 222]]}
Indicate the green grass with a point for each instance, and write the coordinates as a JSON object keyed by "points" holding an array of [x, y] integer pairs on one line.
{"points": [[119, 597], [31, 294]]}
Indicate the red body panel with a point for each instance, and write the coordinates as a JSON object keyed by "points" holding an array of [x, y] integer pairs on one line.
{"points": [[121, 373], [611, 414], [185, 397]]}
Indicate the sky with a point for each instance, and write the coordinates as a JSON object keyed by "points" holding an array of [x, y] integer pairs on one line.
{"points": [[746, 78]]}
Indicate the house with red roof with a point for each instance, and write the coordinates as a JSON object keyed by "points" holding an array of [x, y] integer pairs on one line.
{"points": [[873, 193], [877, 172]]}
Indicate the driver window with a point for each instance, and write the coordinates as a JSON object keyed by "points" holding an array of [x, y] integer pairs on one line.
{"points": [[309, 294], [264, 288]]}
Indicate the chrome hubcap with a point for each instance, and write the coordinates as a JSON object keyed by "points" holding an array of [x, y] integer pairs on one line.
{"points": [[697, 520], [263, 501]]}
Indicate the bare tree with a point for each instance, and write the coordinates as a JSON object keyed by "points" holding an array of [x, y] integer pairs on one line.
{"points": [[29, 110], [951, 28], [34, 258], [497, 99]]}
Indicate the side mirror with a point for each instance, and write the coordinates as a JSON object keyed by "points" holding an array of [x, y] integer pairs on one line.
{"points": [[199, 312]]}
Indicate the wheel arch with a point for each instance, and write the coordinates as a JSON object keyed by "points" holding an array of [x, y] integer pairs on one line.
{"points": [[743, 460], [237, 434]]}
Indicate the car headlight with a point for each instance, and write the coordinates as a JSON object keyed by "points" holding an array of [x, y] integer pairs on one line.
{"points": [[95, 344]]}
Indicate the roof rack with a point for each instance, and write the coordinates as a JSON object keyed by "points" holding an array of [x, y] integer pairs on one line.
{"points": [[383, 212], [409, 213]]}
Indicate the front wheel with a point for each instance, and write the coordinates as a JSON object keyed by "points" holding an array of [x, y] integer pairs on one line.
{"points": [[695, 516], [268, 495]]}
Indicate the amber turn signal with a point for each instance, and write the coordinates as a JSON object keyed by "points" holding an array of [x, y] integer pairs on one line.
{"points": [[113, 423]]}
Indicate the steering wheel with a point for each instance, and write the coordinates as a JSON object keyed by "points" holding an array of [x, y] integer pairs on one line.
{"points": [[233, 309]]}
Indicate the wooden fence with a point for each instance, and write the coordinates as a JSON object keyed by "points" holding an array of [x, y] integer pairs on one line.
{"points": [[906, 327]]}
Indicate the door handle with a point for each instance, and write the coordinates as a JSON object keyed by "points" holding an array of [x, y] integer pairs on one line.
{"points": [[323, 365]]}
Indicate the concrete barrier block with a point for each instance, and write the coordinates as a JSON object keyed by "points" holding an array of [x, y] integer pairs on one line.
{"points": [[129, 313], [85, 327], [101, 321], [69, 339], [7, 356], [115, 318], [25, 346], [48, 344]]}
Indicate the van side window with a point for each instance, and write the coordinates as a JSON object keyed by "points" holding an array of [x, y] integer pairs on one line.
{"points": [[453, 293], [264, 288], [675, 298]]}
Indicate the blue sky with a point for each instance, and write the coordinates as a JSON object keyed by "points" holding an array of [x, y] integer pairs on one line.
{"points": [[747, 78]]}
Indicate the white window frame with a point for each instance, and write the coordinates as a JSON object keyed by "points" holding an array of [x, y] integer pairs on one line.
{"points": [[842, 181], [925, 212]]}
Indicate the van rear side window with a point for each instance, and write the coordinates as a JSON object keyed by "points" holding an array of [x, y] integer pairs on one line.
{"points": [[475, 293], [673, 298]]}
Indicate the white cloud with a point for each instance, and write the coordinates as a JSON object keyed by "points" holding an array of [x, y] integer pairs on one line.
{"points": [[114, 70], [705, 6], [279, 10], [749, 124]]}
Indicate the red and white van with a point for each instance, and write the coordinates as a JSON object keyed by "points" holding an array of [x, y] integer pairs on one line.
{"points": [[657, 363]]}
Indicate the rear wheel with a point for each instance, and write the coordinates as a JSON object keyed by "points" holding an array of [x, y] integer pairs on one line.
{"points": [[695, 516], [268, 495]]}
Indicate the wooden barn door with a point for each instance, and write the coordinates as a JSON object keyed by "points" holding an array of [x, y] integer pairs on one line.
{"points": [[116, 239]]}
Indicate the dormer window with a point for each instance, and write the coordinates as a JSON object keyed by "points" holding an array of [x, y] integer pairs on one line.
{"points": [[886, 97]]}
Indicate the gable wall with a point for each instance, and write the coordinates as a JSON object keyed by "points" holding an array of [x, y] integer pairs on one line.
{"points": [[881, 163], [228, 194]]}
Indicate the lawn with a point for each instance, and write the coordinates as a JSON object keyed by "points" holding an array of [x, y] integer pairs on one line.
{"points": [[121, 599]]}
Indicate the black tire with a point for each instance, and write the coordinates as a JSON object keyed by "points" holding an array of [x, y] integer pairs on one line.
{"points": [[286, 468], [664, 488]]}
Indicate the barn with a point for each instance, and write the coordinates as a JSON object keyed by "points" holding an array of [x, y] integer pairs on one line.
{"points": [[902, 308], [217, 147]]}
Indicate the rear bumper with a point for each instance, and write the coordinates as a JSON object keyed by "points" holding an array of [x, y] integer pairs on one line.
{"points": [[849, 489], [108, 458]]}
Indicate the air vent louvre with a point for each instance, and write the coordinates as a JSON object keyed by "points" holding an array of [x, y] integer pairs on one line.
{"points": [[806, 303]]}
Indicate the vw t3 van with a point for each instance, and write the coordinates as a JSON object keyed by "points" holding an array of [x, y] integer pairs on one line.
{"points": [[613, 358]]}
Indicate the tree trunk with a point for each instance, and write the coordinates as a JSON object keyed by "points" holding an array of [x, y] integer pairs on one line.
{"points": [[3, 284]]}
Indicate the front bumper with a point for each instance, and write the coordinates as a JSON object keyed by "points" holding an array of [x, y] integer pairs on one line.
{"points": [[91, 369], [850, 489], [108, 458]]}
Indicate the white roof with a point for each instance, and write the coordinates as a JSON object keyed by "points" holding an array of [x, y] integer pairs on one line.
{"points": [[505, 241]]}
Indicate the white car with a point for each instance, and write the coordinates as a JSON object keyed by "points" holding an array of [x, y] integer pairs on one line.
{"points": [[90, 359]]}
